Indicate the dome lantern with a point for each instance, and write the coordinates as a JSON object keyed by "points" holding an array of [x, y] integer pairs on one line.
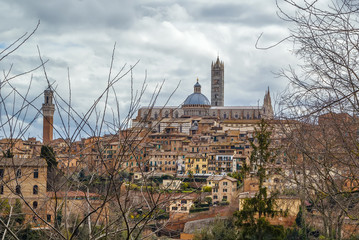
{"points": [[197, 87]]}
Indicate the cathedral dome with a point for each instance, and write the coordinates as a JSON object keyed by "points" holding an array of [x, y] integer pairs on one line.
{"points": [[196, 99]]}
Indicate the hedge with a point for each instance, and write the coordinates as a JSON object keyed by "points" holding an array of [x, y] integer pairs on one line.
{"points": [[193, 210]]}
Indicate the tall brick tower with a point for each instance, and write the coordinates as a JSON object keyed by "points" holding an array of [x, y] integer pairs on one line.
{"points": [[48, 109], [217, 83]]}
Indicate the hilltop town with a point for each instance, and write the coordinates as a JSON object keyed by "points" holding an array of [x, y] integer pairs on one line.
{"points": [[178, 169]]}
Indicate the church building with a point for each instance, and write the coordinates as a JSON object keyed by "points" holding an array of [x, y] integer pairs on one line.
{"points": [[198, 105]]}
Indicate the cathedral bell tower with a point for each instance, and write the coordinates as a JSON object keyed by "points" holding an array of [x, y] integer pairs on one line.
{"points": [[217, 83], [48, 109]]}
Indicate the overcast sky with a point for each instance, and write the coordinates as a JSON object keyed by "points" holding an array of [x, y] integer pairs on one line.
{"points": [[175, 41]]}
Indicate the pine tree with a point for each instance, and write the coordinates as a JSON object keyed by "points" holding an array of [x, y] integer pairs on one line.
{"points": [[252, 219], [48, 154]]}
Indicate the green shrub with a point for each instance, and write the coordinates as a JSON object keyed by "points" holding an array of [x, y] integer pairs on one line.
{"points": [[199, 209], [184, 186], [208, 199], [223, 203]]}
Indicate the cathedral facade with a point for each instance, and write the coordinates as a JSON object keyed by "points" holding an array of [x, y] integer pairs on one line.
{"points": [[198, 105]]}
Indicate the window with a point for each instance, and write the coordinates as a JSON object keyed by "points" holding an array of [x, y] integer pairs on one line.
{"points": [[18, 173], [225, 190], [34, 204], [215, 197], [224, 183], [174, 208], [48, 217], [1, 173], [36, 173], [183, 208], [35, 190], [224, 198], [183, 201], [18, 189], [1, 189]]}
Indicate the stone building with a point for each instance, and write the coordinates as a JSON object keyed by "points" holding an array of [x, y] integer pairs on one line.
{"points": [[198, 105], [224, 188], [25, 179]]}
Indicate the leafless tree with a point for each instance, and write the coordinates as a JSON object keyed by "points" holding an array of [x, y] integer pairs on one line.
{"points": [[92, 195], [323, 98]]}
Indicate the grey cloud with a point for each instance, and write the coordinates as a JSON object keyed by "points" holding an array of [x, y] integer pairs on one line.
{"points": [[74, 15], [175, 41], [240, 12]]}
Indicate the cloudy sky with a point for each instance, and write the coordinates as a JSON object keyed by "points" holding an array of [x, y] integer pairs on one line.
{"points": [[174, 41]]}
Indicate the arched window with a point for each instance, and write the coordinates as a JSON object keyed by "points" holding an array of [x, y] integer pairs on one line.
{"points": [[18, 189], [34, 204], [176, 114], [18, 173], [156, 115], [35, 189], [166, 114]]}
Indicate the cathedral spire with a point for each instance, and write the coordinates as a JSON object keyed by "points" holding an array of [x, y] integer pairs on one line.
{"points": [[267, 109]]}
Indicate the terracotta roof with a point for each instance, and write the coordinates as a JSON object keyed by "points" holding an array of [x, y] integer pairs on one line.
{"points": [[236, 107], [72, 194], [220, 177], [26, 162]]}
